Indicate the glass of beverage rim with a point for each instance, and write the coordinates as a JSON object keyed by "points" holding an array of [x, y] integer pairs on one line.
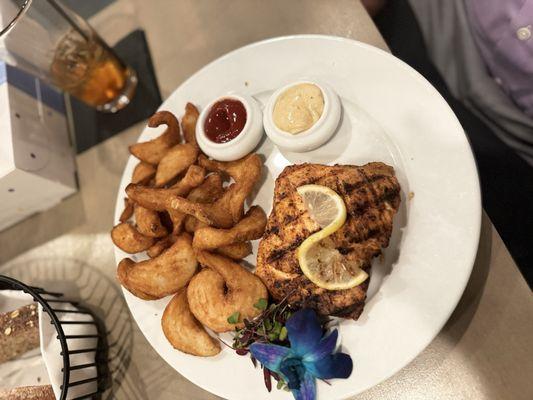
{"points": [[53, 43]]}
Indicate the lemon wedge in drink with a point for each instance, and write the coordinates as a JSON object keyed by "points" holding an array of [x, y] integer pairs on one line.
{"points": [[319, 260]]}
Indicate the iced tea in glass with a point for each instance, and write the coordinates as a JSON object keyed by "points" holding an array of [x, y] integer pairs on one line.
{"points": [[53, 43]]}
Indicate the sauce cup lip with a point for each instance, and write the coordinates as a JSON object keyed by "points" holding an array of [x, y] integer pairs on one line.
{"points": [[313, 128], [319, 133], [200, 132]]}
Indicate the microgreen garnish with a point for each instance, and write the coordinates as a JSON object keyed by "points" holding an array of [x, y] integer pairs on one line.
{"points": [[267, 327], [283, 334], [234, 318], [261, 304]]}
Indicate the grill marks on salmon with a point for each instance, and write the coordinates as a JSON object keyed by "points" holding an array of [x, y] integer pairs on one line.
{"points": [[372, 197]]}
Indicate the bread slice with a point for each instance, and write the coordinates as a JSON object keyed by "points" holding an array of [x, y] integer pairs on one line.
{"points": [[43, 392], [19, 332]]}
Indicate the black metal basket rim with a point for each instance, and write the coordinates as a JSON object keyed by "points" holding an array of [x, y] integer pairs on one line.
{"points": [[34, 292]]}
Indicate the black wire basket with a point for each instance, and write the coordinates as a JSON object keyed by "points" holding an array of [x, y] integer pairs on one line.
{"points": [[54, 305]]}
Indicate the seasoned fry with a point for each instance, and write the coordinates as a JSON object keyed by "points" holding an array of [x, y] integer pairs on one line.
{"points": [[167, 212], [142, 173], [209, 191], [152, 198], [191, 224], [229, 208], [160, 246], [251, 227], [246, 172], [127, 238], [154, 150], [162, 275], [177, 219], [183, 330], [188, 124], [172, 220], [236, 251], [176, 160], [159, 199], [238, 169], [216, 214], [128, 210], [149, 223], [194, 176], [221, 290], [249, 173]]}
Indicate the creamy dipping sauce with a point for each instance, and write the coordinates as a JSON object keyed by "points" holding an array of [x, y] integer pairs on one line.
{"points": [[298, 108]]}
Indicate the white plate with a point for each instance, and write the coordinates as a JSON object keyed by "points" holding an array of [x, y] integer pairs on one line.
{"points": [[391, 114]]}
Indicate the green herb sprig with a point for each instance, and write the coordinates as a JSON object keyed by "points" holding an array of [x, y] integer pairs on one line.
{"points": [[267, 327]]}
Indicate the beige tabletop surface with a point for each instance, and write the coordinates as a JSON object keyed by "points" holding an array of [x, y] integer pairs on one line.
{"points": [[485, 351]]}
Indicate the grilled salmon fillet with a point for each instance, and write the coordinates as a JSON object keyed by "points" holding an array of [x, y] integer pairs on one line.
{"points": [[372, 196]]}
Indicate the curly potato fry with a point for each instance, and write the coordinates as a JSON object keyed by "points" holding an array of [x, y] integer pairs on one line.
{"points": [[188, 123], [228, 209], [162, 275], [149, 223], [154, 150], [183, 330], [191, 224], [193, 177], [160, 246], [221, 290], [175, 161], [239, 170], [159, 199], [209, 191], [177, 218], [246, 172], [143, 173], [236, 251], [251, 227], [128, 210], [215, 214], [200, 204], [127, 238]]}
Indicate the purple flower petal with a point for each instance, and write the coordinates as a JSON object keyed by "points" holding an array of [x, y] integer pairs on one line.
{"points": [[304, 331], [270, 355], [324, 348], [338, 365], [307, 389]]}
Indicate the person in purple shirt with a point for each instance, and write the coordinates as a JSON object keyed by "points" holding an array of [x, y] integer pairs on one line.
{"points": [[502, 30], [484, 51]]}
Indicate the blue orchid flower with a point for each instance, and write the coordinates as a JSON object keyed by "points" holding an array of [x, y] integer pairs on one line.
{"points": [[309, 357]]}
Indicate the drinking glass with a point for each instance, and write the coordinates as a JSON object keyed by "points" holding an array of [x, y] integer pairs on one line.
{"points": [[51, 42]]}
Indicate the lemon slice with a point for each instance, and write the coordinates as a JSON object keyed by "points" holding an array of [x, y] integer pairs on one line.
{"points": [[322, 263], [325, 207], [319, 260]]}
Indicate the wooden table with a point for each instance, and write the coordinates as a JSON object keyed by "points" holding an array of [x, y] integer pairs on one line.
{"points": [[485, 351]]}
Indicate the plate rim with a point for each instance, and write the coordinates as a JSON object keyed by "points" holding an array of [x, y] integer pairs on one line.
{"points": [[476, 190]]}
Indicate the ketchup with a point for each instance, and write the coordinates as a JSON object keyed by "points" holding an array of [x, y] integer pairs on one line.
{"points": [[225, 120]]}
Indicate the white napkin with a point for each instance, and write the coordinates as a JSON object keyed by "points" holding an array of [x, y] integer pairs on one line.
{"points": [[51, 350]]}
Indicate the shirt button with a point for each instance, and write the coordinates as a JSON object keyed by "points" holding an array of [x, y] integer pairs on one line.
{"points": [[524, 33]]}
